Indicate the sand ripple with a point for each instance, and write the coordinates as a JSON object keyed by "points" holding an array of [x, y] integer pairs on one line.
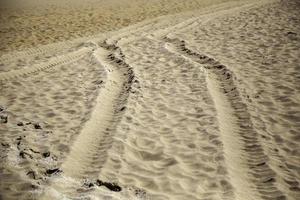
{"points": [[196, 106]]}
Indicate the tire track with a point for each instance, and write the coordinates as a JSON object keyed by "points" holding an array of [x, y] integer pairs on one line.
{"points": [[168, 23], [205, 16], [246, 161], [53, 62], [89, 151], [96, 134]]}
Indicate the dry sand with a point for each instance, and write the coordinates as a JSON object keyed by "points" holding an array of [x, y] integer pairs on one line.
{"points": [[203, 104]]}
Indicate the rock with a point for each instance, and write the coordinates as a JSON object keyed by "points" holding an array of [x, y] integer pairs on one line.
{"points": [[261, 164], [140, 193], [5, 145], [123, 108], [220, 66], [34, 187], [46, 154], [37, 126], [111, 186], [4, 119], [20, 124], [23, 154], [19, 138], [53, 171], [88, 184]]}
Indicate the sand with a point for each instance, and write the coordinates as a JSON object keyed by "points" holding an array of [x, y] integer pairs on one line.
{"points": [[198, 102]]}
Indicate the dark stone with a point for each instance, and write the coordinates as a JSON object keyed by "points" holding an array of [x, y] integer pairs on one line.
{"points": [[89, 185], [202, 57], [261, 164], [46, 154], [18, 144], [119, 61], [53, 171], [34, 187], [5, 145], [220, 66], [19, 138], [123, 108], [37, 126], [4, 119], [228, 76], [20, 124], [111, 186], [140, 193], [23, 154], [99, 82]]}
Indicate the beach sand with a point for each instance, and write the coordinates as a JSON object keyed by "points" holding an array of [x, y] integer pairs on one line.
{"points": [[190, 100]]}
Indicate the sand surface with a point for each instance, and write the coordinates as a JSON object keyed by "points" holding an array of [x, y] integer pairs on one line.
{"points": [[198, 102]]}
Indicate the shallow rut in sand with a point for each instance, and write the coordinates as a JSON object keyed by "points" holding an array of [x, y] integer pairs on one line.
{"points": [[89, 151], [249, 171], [52, 62]]}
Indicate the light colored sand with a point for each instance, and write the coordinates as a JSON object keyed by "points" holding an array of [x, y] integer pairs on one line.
{"points": [[29, 23], [199, 105]]}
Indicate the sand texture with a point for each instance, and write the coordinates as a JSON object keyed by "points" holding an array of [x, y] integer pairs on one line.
{"points": [[203, 104]]}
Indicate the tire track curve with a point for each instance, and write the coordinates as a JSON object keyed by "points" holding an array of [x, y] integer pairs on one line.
{"points": [[89, 151], [249, 171], [52, 62]]}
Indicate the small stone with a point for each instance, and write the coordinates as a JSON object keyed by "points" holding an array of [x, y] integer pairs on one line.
{"points": [[53, 171], [111, 186], [261, 164], [37, 126], [4, 119], [20, 124], [19, 138], [5, 145], [22, 154], [89, 185], [34, 187], [46, 154]]}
